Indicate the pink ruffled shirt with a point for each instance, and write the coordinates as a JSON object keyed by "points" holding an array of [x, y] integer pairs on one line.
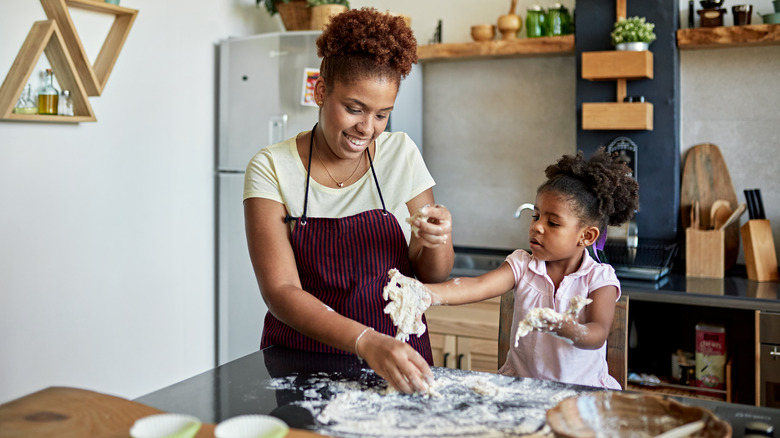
{"points": [[546, 356]]}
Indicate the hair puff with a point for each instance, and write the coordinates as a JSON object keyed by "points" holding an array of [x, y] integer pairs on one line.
{"points": [[363, 43], [601, 186]]}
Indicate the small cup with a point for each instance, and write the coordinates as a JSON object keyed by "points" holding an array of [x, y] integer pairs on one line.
{"points": [[483, 32], [165, 426], [251, 426], [742, 14]]}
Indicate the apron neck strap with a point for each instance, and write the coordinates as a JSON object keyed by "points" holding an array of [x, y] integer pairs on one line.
{"points": [[289, 218]]}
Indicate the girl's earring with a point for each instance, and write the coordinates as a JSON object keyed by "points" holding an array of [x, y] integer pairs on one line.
{"points": [[319, 103]]}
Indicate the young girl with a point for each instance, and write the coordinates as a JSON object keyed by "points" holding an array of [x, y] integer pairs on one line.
{"points": [[572, 210]]}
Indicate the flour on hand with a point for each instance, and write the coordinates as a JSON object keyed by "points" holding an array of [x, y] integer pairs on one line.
{"points": [[409, 299], [540, 318], [422, 215]]}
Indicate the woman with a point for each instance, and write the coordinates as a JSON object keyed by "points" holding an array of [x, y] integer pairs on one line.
{"points": [[326, 211]]}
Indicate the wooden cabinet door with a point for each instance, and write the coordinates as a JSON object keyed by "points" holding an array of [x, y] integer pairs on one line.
{"points": [[444, 349], [477, 354]]}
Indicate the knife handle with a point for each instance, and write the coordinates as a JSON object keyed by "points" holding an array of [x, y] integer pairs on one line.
{"points": [[750, 203], [759, 205]]}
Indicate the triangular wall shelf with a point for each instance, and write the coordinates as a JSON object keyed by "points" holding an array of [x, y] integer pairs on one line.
{"points": [[94, 76], [45, 37]]}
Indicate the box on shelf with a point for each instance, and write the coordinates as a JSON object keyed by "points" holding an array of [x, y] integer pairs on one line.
{"points": [[710, 356]]}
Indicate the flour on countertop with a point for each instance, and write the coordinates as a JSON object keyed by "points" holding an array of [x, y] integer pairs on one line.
{"points": [[408, 301], [540, 317], [468, 404]]}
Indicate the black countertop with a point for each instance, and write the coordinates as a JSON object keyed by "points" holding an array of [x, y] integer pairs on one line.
{"points": [[302, 389], [732, 291]]}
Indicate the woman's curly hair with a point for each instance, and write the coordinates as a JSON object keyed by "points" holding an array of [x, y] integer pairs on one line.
{"points": [[602, 187], [364, 43]]}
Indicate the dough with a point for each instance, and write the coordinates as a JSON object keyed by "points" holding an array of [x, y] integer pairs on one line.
{"points": [[408, 301], [540, 317], [421, 214]]}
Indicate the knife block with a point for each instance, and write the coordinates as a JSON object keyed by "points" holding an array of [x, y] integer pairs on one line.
{"points": [[705, 254], [759, 248]]}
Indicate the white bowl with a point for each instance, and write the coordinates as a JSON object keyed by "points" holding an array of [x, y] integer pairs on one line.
{"points": [[251, 426], [165, 426]]}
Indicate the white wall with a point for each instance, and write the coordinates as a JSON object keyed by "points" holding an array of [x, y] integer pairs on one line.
{"points": [[107, 228]]}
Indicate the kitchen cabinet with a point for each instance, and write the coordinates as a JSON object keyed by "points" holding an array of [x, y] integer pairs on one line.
{"points": [[663, 320], [465, 337], [768, 359]]}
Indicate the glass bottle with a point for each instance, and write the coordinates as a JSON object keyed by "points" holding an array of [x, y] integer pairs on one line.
{"points": [[535, 22], [26, 104], [65, 105], [48, 96]]}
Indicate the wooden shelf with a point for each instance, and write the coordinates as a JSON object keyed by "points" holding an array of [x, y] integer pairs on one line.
{"points": [[48, 118], [94, 76], [729, 36], [44, 37], [545, 46], [617, 116], [613, 65]]}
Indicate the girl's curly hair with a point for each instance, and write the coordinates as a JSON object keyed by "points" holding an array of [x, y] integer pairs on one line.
{"points": [[601, 186], [364, 43]]}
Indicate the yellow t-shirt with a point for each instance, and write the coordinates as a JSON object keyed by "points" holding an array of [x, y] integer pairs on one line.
{"points": [[277, 173]]}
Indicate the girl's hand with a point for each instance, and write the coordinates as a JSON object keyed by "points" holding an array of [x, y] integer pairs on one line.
{"points": [[433, 225], [396, 362]]}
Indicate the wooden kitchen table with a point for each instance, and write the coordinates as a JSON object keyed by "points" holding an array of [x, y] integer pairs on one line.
{"points": [[71, 412]]}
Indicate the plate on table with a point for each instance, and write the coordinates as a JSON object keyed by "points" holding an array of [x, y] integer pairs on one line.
{"points": [[613, 413]]}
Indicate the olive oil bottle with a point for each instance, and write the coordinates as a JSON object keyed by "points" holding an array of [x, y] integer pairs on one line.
{"points": [[48, 96]]}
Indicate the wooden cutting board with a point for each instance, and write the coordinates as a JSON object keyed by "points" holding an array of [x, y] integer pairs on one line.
{"points": [[706, 179], [78, 413]]}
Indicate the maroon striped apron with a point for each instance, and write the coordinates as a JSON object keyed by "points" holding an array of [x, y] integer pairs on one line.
{"points": [[344, 263]]}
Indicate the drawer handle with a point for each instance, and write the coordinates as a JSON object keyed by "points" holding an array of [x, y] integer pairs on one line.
{"points": [[446, 356], [460, 359], [774, 352]]}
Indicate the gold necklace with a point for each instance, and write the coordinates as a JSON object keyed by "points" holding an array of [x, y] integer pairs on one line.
{"points": [[340, 184]]}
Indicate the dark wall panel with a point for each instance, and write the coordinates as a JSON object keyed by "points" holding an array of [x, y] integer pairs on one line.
{"points": [[658, 156]]}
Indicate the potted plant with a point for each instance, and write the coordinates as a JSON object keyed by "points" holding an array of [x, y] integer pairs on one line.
{"points": [[295, 14], [322, 10], [304, 14], [633, 33]]}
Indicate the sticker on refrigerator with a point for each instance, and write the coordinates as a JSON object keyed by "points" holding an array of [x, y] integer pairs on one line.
{"points": [[310, 76]]}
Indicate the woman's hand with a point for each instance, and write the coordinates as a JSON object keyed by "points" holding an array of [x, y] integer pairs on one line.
{"points": [[395, 361], [433, 225]]}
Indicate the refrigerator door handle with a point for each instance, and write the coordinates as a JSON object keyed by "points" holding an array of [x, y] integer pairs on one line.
{"points": [[277, 129]]}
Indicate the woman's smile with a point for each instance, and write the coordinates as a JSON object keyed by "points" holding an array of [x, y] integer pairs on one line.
{"points": [[356, 144]]}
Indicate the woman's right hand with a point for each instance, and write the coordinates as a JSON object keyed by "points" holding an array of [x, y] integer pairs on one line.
{"points": [[396, 362]]}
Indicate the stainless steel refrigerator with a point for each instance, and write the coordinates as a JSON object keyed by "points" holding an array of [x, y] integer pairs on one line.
{"points": [[261, 86], [261, 102]]}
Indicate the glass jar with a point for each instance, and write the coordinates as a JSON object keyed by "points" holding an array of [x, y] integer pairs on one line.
{"points": [[65, 106], [48, 96], [26, 104], [556, 25], [568, 21], [535, 22]]}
